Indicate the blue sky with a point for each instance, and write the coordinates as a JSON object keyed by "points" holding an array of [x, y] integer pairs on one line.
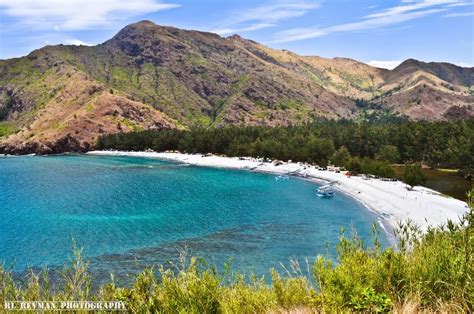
{"points": [[379, 32]]}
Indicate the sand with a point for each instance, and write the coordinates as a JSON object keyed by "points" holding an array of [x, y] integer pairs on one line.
{"points": [[390, 200]]}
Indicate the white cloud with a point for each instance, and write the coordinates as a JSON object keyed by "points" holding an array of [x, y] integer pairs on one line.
{"points": [[386, 17], [253, 27], [462, 14], [411, 7], [460, 4], [265, 16], [77, 42], [277, 11], [465, 64], [391, 64], [77, 14]]}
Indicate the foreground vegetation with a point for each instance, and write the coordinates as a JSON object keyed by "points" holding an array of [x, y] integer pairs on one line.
{"points": [[431, 271], [346, 143]]}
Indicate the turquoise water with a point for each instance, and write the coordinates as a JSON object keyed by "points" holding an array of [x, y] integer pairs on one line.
{"points": [[128, 211]]}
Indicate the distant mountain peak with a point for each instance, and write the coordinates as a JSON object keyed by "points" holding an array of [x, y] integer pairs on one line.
{"points": [[144, 22], [448, 72], [409, 63], [141, 25], [235, 37]]}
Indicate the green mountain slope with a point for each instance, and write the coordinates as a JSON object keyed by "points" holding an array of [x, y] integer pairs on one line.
{"points": [[148, 76]]}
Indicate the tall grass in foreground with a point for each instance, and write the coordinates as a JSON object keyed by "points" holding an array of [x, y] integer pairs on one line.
{"points": [[431, 271]]}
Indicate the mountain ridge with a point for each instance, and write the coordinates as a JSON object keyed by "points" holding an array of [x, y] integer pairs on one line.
{"points": [[152, 76]]}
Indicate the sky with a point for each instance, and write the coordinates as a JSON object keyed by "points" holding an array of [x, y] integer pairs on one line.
{"points": [[379, 32]]}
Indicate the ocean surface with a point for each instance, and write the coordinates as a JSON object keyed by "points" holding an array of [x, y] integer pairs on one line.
{"points": [[129, 212]]}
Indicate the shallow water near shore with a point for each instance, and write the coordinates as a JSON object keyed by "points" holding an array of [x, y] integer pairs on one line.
{"points": [[127, 212]]}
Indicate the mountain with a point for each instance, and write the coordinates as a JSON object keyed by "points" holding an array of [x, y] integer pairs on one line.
{"points": [[61, 98]]}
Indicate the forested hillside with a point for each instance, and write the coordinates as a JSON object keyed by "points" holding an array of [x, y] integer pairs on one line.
{"points": [[437, 144]]}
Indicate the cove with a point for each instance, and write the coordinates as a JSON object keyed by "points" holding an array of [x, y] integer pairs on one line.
{"points": [[125, 211]]}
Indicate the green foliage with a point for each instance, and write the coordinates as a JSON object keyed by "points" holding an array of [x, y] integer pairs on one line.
{"points": [[7, 104], [354, 166], [369, 300], [291, 292], [365, 104], [287, 104], [432, 269], [435, 268], [388, 153], [6, 128], [369, 166], [439, 144], [341, 156], [76, 280], [414, 175], [3, 112]]}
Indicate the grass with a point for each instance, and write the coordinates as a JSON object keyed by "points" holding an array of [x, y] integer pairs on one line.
{"points": [[90, 107], [6, 128], [196, 60], [289, 104], [59, 126], [427, 272]]}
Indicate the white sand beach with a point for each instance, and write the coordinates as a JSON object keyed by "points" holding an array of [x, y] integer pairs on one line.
{"points": [[390, 200]]}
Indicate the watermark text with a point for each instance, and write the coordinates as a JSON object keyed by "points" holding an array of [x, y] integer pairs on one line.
{"points": [[64, 305]]}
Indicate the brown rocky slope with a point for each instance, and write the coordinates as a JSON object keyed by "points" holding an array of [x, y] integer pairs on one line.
{"points": [[60, 98]]}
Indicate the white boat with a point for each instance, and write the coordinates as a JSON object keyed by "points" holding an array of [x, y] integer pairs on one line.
{"points": [[282, 177], [325, 191]]}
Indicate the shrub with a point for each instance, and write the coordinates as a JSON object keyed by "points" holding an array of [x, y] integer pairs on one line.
{"points": [[341, 156], [369, 166], [413, 175], [388, 153]]}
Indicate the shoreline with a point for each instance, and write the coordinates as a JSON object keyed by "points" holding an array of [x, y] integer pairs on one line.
{"points": [[389, 200]]}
